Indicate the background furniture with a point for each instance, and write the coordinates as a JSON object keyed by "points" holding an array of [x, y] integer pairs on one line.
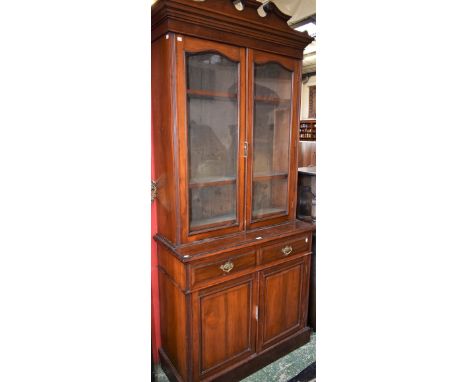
{"points": [[306, 194], [234, 262], [307, 138], [307, 130]]}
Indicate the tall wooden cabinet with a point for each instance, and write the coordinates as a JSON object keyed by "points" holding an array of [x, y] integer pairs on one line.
{"points": [[234, 263]]}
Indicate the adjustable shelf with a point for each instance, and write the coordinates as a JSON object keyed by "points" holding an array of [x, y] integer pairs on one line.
{"points": [[259, 177], [211, 94], [202, 224], [211, 181], [263, 213], [273, 100]]}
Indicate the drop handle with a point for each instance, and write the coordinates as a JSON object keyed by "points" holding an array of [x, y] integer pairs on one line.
{"points": [[287, 250], [227, 267]]}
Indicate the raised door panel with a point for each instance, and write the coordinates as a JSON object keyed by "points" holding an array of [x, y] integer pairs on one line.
{"points": [[211, 132], [273, 104], [224, 325], [283, 301]]}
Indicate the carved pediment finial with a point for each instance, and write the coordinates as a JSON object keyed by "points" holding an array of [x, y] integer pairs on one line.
{"points": [[267, 7], [271, 7]]}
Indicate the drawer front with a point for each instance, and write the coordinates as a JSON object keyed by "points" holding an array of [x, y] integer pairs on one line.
{"points": [[227, 265], [286, 248]]}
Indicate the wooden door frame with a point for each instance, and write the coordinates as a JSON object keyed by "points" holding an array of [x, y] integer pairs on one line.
{"points": [[234, 53], [295, 66]]}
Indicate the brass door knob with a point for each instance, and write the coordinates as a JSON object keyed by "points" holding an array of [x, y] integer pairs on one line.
{"points": [[287, 250], [227, 267]]}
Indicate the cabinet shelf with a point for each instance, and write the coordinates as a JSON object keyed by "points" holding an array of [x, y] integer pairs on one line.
{"points": [[211, 181], [273, 100], [202, 224], [211, 94], [259, 177], [266, 212]]}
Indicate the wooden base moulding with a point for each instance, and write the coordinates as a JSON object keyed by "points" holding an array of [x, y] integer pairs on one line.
{"points": [[248, 367]]}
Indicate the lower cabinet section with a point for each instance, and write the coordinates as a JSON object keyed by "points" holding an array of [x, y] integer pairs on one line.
{"points": [[226, 325]]}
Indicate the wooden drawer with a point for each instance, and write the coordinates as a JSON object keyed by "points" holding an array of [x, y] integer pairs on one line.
{"points": [[222, 266], [287, 248]]}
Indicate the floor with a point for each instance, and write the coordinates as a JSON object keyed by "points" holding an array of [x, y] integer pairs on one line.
{"points": [[281, 370]]}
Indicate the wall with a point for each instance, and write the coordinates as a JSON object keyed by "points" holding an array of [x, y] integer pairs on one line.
{"points": [[305, 97], [307, 156]]}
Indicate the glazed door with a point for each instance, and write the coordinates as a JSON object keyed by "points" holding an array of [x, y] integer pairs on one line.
{"points": [[283, 301], [211, 122], [224, 325], [273, 118]]}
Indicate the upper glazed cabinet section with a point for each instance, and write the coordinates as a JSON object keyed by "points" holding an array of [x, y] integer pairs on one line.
{"points": [[237, 118], [225, 116]]}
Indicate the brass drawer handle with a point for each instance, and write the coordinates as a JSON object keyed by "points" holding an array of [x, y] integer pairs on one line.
{"points": [[227, 267], [287, 250]]}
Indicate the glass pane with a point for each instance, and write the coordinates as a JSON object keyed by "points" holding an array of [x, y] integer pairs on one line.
{"points": [[212, 205], [270, 197], [213, 72], [213, 135], [272, 126], [213, 138]]}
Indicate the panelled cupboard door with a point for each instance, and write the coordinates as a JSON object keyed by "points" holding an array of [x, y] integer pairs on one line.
{"points": [[283, 301], [273, 95], [211, 135], [224, 325]]}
